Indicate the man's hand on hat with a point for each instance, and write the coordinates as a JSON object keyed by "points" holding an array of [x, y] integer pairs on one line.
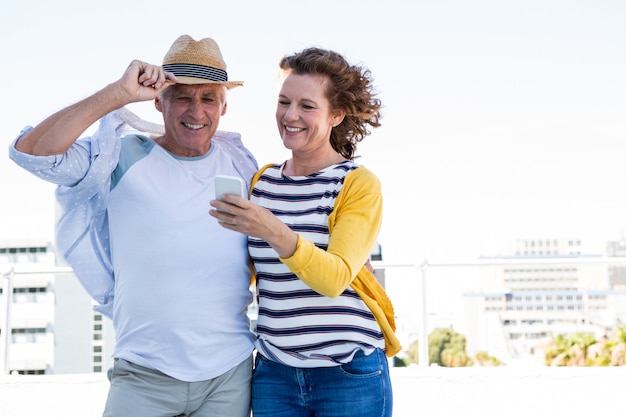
{"points": [[143, 81]]}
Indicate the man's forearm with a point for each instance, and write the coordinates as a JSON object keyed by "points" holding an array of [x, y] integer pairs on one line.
{"points": [[59, 131]]}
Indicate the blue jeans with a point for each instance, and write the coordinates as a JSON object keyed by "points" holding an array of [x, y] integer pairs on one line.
{"points": [[361, 388]]}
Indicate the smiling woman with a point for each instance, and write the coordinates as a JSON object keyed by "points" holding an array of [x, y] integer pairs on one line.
{"points": [[311, 224], [305, 123]]}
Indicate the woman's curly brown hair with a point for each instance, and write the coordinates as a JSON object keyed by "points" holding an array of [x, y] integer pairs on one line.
{"points": [[350, 89]]}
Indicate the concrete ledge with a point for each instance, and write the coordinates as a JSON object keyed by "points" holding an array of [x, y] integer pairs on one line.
{"points": [[508, 391], [468, 392]]}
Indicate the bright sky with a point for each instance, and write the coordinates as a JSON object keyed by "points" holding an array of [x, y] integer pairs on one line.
{"points": [[502, 119]]}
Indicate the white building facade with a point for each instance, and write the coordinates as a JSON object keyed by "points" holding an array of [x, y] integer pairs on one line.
{"points": [[47, 322], [546, 288]]}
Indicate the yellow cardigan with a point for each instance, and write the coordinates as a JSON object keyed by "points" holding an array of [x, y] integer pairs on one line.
{"points": [[353, 226]]}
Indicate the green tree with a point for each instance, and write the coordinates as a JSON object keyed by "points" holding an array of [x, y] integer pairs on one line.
{"points": [[570, 350], [412, 353], [409, 356], [618, 351], [453, 358], [447, 348], [484, 359], [437, 342], [582, 349]]}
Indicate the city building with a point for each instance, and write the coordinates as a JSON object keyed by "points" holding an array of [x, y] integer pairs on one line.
{"points": [[617, 274], [47, 322], [546, 287]]}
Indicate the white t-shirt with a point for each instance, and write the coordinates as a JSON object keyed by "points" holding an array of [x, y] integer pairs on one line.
{"points": [[181, 280]]}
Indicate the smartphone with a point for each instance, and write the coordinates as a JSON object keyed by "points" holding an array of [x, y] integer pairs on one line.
{"points": [[226, 184]]}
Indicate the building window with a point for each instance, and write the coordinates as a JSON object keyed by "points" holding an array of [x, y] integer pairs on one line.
{"points": [[29, 295], [23, 255], [32, 372], [31, 335]]}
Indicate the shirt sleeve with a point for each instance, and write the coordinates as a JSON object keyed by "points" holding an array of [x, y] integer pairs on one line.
{"points": [[354, 226], [64, 169]]}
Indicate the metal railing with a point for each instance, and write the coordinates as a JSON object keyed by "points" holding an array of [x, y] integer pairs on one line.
{"points": [[420, 271]]}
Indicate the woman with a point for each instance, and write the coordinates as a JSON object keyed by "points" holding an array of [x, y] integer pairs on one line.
{"points": [[325, 325]]}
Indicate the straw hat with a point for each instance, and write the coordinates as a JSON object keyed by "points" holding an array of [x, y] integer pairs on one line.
{"points": [[197, 62]]}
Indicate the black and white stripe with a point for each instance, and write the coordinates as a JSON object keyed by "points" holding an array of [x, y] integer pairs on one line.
{"points": [[296, 325], [197, 71]]}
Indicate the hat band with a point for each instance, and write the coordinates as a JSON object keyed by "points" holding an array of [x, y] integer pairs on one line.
{"points": [[197, 71]]}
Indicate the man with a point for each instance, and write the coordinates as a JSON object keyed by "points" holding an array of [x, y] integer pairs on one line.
{"points": [[137, 233]]}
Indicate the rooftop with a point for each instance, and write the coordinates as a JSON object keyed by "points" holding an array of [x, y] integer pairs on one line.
{"points": [[514, 391]]}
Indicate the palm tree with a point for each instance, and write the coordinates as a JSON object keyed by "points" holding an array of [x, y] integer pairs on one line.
{"points": [[582, 349], [570, 350]]}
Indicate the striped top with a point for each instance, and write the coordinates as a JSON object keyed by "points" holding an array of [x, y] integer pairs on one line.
{"points": [[298, 326]]}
